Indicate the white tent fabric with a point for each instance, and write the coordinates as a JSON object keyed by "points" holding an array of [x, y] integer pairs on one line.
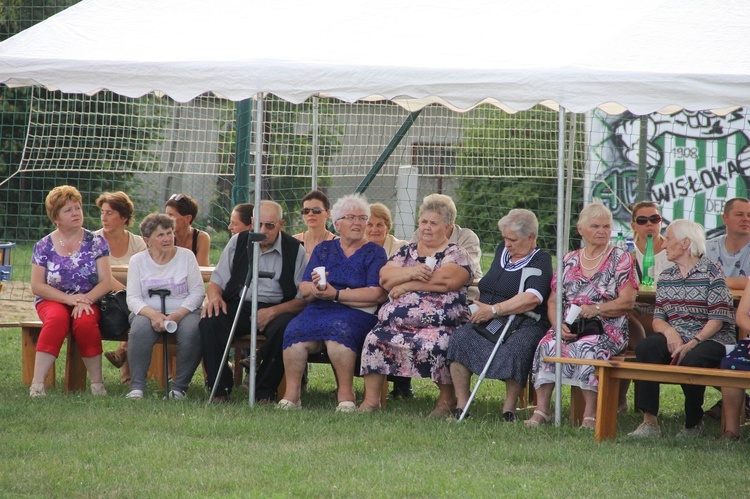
{"points": [[641, 55]]}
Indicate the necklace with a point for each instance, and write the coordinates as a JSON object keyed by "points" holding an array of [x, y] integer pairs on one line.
{"points": [[596, 261], [594, 257], [68, 251]]}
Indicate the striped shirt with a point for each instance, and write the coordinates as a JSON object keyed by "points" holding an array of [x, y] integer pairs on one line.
{"points": [[688, 303]]}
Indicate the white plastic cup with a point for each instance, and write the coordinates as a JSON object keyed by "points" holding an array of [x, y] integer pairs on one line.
{"points": [[473, 308], [573, 312], [431, 261], [322, 273], [170, 326]]}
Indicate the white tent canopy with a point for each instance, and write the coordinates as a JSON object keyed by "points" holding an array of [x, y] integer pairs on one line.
{"points": [[642, 55]]}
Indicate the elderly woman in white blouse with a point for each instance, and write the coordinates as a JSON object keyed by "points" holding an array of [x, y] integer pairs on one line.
{"points": [[168, 267]]}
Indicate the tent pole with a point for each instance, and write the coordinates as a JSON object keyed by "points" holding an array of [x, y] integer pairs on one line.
{"points": [[244, 123], [569, 180], [560, 254], [642, 159], [256, 249], [314, 166], [395, 141]]}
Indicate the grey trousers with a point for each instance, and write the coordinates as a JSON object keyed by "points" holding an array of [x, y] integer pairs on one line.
{"points": [[141, 343]]}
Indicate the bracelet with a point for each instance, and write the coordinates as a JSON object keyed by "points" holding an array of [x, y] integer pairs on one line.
{"points": [[336, 298], [697, 340]]}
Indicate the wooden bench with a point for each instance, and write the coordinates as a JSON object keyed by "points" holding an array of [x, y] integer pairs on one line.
{"points": [[611, 372], [75, 370]]}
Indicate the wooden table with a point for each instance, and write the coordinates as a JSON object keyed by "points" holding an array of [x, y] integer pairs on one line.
{"points": [[120, 272]]}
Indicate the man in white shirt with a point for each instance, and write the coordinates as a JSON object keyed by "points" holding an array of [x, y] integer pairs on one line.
{"points": [[279, 302]]}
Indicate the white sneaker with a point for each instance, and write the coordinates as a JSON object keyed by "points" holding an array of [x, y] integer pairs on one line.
{"points": [[176, 395], [135, 395], [695, 431], [646, 430]]}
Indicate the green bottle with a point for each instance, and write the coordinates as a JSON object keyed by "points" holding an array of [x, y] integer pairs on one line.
{"points": [[647, 279]]}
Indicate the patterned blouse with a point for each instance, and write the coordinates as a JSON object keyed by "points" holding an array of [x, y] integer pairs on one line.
{"points": [[72, 274], [688, 303]]}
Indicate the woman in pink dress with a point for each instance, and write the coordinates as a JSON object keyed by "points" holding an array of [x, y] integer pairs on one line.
{"points": [[600, 279]]}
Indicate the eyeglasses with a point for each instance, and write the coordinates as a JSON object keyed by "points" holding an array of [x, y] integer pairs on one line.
{"points": [[176, 197], [654, 219], [269, 225], [352, 218], [314, 211]]}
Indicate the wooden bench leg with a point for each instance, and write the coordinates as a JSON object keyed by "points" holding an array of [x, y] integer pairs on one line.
{"points": [[29, 337], [75, 370], [577, 405], [606, 408]]}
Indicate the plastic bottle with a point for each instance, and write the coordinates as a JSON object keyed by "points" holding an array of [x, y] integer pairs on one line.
{"points": [[648, 263], [620, 242], [630, 245]]}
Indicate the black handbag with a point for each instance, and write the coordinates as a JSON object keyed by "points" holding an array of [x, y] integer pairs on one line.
{"points": [[113, 321], [587, 327], [491, 330]]}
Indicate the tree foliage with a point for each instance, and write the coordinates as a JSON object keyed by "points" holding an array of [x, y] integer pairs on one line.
{"points": [[523, 149]]}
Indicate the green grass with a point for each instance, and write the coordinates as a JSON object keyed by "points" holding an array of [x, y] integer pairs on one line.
{"points": [[78, 445]]}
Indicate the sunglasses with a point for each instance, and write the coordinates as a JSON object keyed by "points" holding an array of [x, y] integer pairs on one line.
{"points": [[654, 219], [314, 211], [176, 197], [269, 225]]}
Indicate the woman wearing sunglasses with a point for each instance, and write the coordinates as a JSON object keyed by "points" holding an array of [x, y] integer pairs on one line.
{"points": [[316, 210], [183, 209], [647, 222]]}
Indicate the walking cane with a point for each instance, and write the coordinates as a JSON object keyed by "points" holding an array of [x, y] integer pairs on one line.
{"points": [[163, 293], [252, 237], [525, 274]]}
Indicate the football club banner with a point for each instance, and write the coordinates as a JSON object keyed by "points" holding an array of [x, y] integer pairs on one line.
{"points": [[696, 161]]}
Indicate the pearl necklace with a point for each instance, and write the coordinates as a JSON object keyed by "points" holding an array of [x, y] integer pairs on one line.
{"points": [[595, 260], [77, 246]]}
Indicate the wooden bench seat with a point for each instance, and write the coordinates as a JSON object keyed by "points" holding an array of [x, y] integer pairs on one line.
{"points": [[75, 371], [611, 372]]}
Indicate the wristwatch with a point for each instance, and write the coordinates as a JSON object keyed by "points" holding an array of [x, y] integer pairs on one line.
{"points": [[494, 311], [598, 310]]}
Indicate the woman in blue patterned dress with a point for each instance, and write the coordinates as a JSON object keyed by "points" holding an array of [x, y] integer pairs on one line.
{"points": [[427, 305], [693, 321], [341, 312], [601, 280], [737, 360], [499, 298]]}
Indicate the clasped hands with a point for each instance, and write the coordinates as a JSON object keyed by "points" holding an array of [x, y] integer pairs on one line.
{"points": [[81, 305], [421, 273]]}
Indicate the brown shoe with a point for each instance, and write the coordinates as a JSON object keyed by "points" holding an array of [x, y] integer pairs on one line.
{"points": [[117, 357], [729, 436]]}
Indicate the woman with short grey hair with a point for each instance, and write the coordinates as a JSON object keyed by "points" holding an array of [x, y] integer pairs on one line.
{"points": [[522, 222], [342, 298], [693, 323], [163, 266], [350, 204], [472, 344]]}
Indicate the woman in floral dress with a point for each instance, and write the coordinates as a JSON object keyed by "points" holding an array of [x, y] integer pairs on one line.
{"points": [[428, 302], [600, 279]]}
